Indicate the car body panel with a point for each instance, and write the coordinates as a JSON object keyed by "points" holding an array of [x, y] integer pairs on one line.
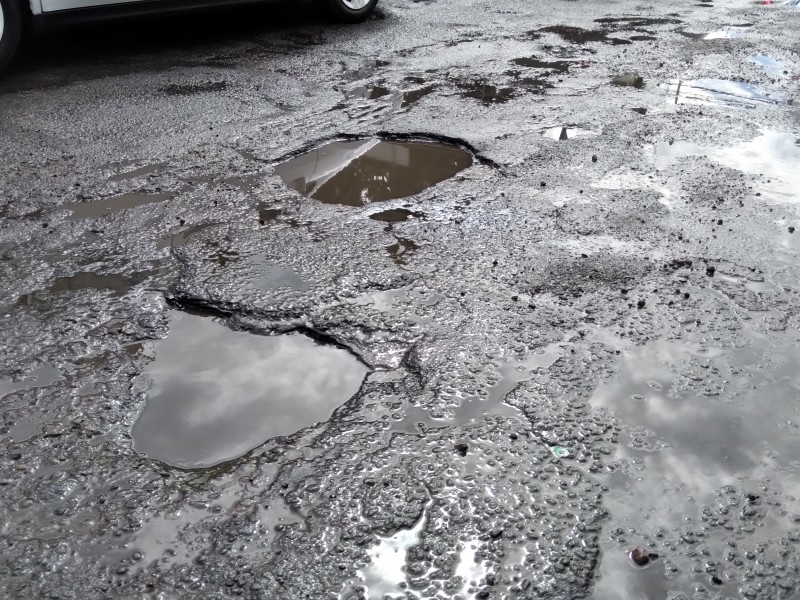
{"points": [[36, 7], [57, 5]]}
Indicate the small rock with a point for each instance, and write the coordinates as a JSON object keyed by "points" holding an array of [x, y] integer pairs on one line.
{"points": [[640, 556], [641, 304], [710, 270], [791, 229], [594, 157], [461, 448]]}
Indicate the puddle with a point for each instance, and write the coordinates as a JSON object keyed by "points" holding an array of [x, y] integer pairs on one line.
{"points": [[728, 32], [576, 35], [773, 154], [413, 96], [772, 67], [38, 377], [385, 575], [218, 393], [266, 215], [486, 93], [179, 238], [536, 85], [636, 22], [100, 208], [140, 172], [195, 88], [629, 80], [360, 172], [373, 93], [566, 133], [401, 250], [472, 409], [732, 94], [244, 182], [119, 285], [396, 215], [471, 569], [697, 420], [275, 276], [531, 62]]}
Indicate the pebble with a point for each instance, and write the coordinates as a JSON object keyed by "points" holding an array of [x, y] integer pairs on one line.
{"points": [[640, 556]]}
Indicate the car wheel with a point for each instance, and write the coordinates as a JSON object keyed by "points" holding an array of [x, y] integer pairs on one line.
{"points": [[10, 30], [348, 11]]}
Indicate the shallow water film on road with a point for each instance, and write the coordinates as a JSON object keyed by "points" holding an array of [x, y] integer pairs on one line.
{"points": [[469, 301]]}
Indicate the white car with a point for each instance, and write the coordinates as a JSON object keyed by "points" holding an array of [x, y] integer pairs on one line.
{"points": [[14, 14]]}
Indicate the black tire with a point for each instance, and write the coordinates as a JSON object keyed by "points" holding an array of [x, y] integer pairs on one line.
{"points": [[340, 11], [11, 16]]}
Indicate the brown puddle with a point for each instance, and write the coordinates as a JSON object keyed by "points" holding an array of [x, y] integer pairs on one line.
{"points": [[100, 208], [217, 394], [360, 172]]}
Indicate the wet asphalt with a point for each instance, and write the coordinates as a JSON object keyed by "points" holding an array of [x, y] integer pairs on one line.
{"points": [[473, 300]]}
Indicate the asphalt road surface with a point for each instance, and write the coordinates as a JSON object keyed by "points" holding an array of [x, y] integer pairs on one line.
{"points": [[473, 300]]}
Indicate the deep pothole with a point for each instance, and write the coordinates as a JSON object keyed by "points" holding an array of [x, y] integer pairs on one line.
{"points": [[357, 173], [215, 394]]}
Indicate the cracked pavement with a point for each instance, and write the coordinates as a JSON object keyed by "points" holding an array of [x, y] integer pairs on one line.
{"points": [[582, 343]]}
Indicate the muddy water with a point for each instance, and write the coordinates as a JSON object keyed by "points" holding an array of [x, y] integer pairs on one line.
{"points": [[216, 393], [360, 172]]}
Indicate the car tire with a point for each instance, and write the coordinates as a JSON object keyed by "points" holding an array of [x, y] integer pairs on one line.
{"points": [[10, 30], [348, 11]]}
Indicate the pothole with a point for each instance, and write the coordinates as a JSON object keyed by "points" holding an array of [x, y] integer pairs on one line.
{"points": [[216, 394], [633, 80], [356, 173]]}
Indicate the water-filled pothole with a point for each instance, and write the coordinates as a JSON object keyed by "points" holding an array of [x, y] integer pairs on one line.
{"points": [[217, 394], [357, 173]]}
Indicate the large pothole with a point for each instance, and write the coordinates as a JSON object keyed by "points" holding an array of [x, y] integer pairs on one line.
{"points": [[356, 173], [217, 394]]}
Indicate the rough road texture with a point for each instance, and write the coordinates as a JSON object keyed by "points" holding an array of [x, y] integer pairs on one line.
{"points": [[629, 295]]}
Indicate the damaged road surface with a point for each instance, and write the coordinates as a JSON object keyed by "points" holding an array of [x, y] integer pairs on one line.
{"points": [[474, 300]]}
